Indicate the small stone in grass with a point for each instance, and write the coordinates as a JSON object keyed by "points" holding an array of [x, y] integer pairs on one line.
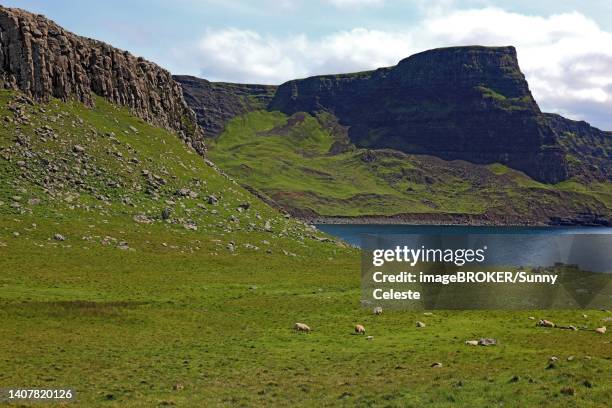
{"points": [[471, 342], [487, 342], [59, 237], [601, 330], [420, 324], [166, 212], [436, 365]]}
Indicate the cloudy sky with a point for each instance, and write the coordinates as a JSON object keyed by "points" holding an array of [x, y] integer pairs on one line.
{"points": [[564, 46]]}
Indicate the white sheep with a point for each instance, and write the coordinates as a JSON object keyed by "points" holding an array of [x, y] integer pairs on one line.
{"points": [[301, 327]]}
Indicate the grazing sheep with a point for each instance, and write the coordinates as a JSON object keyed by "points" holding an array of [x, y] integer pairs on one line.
{"points": [[545, 323], [359, 329], [301, 327], [378, 310]]}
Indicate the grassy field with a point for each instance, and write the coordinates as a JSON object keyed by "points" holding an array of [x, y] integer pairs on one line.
{"points": [[196, 308], [289, 159]]}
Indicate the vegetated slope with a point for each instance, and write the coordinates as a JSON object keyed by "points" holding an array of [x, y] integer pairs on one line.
{"points": [[43, 60], [64, 161], [308, 166]]}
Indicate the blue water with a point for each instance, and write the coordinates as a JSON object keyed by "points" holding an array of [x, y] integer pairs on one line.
{"points": [[351, 233]]}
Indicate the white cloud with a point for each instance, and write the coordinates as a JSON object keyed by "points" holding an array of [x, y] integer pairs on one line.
{"points": [[244, 55], [567, 58]]}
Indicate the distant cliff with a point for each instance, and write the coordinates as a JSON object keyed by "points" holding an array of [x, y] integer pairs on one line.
{"points": [[215, 103], [588, 150], [43, 60], [470, 103]]}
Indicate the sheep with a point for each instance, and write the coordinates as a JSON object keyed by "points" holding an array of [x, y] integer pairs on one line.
{"points": [[359, 329], [545, 323], [301, 327], [378, 310], [601, 330]]}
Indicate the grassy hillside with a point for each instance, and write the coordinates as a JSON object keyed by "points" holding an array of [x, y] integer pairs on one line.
{"points": [[306, 163], [130, 309]]}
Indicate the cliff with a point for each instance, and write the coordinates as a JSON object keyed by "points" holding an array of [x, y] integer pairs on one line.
{"points": [[588, 150], [43, 60], [215, 103], [469, 103]]}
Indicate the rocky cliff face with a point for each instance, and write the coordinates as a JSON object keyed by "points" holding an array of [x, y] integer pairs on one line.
{"points": [[43, 60], [588, 150], [215, 103], [469, 103]]}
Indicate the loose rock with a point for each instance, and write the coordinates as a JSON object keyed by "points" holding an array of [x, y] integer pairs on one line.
{"points": [[212, 200], [166, 212]]}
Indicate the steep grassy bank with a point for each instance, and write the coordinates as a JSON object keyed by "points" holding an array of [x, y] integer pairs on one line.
{"points": [[307, 164]]}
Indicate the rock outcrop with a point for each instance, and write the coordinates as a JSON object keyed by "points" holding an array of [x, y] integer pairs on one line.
{"points": [[43, 60], [469, 103], [215, 103], [588, 150]]}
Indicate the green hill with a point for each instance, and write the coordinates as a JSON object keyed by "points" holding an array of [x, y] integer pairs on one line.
{"points": [[307, 165]]}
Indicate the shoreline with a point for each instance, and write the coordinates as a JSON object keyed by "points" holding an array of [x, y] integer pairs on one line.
{"points": [[457, 220]]}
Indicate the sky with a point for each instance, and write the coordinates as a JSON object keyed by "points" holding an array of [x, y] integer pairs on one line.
{"points": [[564, 46]]}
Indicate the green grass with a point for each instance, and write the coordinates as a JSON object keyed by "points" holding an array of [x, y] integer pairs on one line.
{"points": [[288, 159], [123, 327]]}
